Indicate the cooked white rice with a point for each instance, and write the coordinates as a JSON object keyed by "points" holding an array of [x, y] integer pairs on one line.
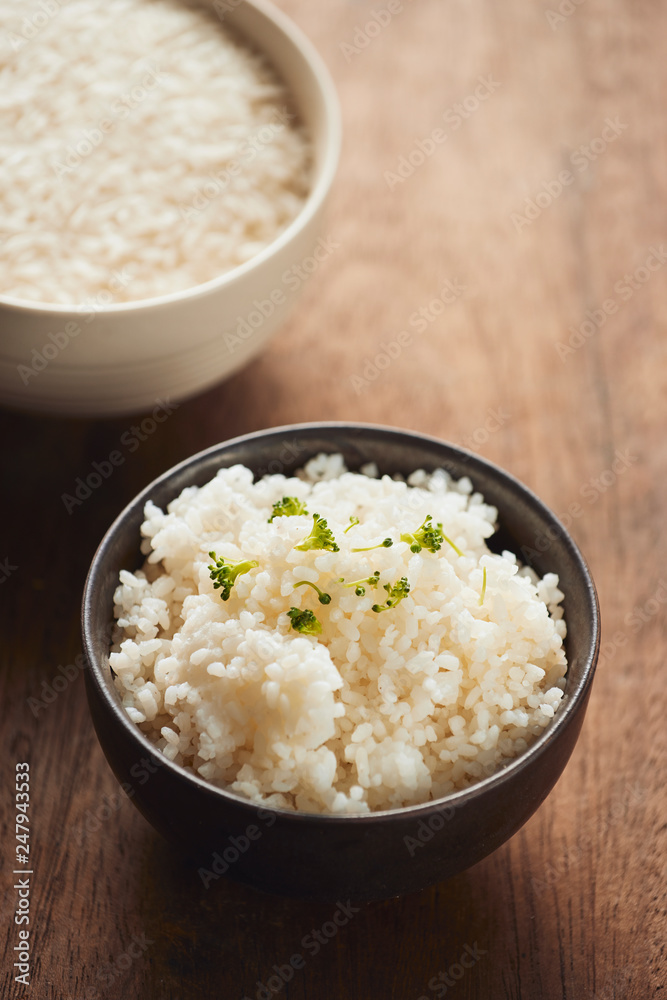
{"points": [[143, 150], [380, 710]]}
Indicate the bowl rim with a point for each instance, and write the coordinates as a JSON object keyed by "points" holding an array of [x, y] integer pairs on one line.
{"points": [[332, 122], [453, 800]]}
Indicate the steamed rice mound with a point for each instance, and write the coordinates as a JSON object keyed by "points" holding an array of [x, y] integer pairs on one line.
{"points": [[380, 710]]}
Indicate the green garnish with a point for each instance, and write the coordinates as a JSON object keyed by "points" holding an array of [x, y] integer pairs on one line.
{"points": [[427, 536], [353, 522], [288, 507], [320, 537], [304, 622], [224, 572], [360, 589], [395, 594], [482, 595], [322, 597], [386, 544], [450, 542]]}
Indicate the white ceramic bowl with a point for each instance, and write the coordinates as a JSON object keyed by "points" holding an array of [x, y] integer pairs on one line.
{"points": [[121, 358]]}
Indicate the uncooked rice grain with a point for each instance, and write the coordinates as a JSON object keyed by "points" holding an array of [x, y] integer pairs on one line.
{"points": [[143, 150]]}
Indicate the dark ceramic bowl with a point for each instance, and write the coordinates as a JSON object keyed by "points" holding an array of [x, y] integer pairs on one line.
{"points": [[327, 857]]}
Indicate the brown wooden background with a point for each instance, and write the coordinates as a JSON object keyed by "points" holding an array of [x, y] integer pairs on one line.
{"points": [[574, 906]]}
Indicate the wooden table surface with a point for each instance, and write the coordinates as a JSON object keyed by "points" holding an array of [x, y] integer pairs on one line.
{"points": [[520, 245]]}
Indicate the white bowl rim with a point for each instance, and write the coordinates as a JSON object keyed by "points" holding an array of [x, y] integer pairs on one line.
{"points": [[313, 203]]}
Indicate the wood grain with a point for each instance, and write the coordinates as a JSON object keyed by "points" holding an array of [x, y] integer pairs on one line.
{"points": [[574, 906]]}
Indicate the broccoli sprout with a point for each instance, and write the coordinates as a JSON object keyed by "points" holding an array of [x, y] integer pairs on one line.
{"points": [[322, 597], [360, 589], [483, 594], [427, 536], [304, 622], [320, 537], [225, 572], [384, 544], [395, 594], [288, 507]]}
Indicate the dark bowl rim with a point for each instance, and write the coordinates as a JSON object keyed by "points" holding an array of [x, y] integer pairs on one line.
{"points": [[453, 800]]}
